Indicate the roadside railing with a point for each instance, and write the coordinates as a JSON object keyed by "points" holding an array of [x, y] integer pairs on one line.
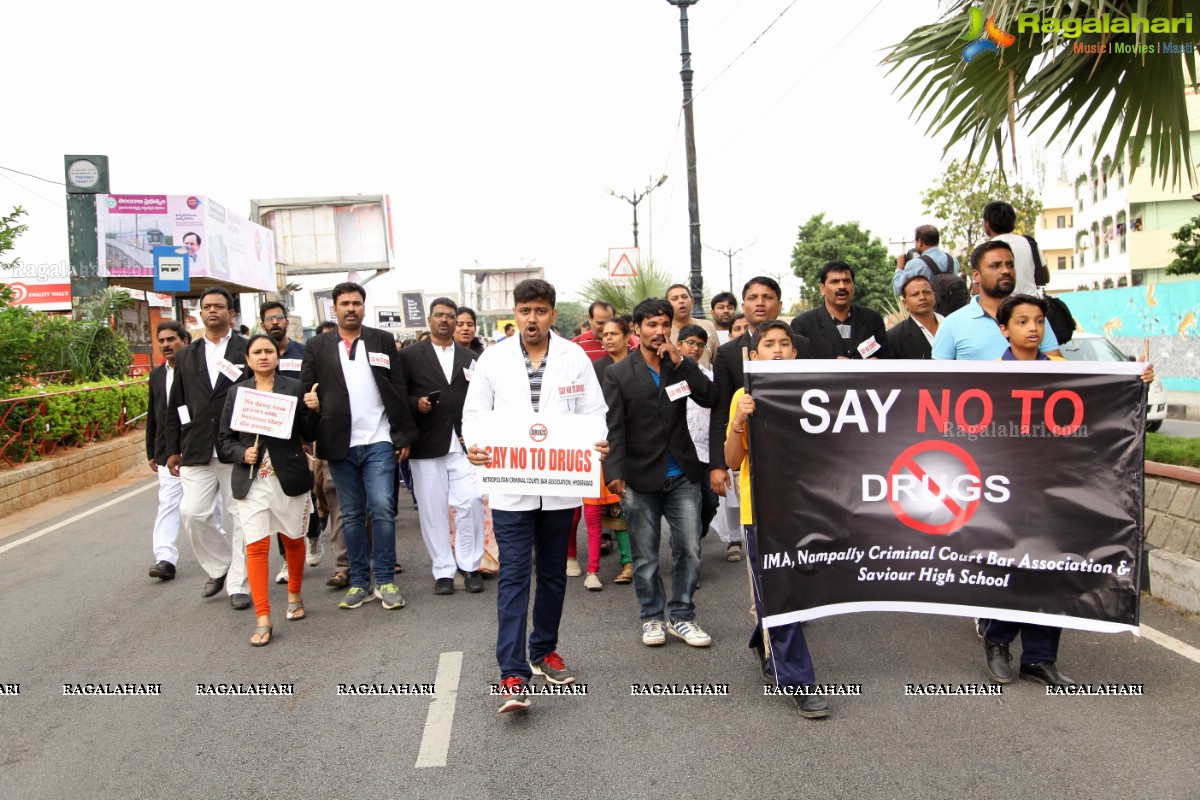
{"points": [[35, 426]]}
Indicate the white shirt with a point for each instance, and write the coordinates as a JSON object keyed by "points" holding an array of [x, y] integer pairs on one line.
{"points": [[500, 383], [697, 422], [445, 357], [929, 336], [170, 378], [1023, 258], [213, 353], [368, 418]]}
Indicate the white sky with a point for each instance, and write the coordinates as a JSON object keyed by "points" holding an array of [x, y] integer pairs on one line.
{"points": [[495, 127]]}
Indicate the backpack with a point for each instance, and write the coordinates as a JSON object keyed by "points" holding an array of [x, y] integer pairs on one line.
{"points": [[1060, 319], [949, 289], [1041, 272]]}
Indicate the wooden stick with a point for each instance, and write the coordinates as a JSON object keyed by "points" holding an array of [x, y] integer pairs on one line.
{"points": [[252, 466]]}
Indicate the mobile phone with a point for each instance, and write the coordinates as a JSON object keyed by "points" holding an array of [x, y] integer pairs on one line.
{"points": [[434, 397]]}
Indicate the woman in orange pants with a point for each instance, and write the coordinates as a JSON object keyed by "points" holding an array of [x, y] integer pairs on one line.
{"points": [[271, 480]]}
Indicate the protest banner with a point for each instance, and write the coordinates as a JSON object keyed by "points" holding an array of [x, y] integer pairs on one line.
{"points": [[552, 455], [1009, 490], [264, 413]]}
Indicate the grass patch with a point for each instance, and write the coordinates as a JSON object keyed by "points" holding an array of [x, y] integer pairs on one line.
{"points": [[1176, 450]]}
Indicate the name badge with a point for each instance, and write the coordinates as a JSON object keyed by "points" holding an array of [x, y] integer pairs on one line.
{"points": [[379, 360], [289, 364], [868, 348], [678, 390], [185, 416], [469, 371], [229, 369], [571, 391]]}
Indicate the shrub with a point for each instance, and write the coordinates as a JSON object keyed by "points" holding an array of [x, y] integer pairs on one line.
{"points": [[68, 416]]}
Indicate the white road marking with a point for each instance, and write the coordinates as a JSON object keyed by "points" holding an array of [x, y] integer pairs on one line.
{"points": [[435, 741], [76, 518], [1171, 643]]}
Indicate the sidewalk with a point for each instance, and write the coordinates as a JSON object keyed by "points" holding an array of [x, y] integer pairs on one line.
{"points": [[1183, 405]]}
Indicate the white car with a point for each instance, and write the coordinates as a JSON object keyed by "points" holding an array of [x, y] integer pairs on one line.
{"points": [[1092, 347]]}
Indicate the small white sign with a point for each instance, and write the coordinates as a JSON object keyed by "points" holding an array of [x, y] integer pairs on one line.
{"points": [[868, 348], [264, 413], [229, 369], [541, 454], [290, 364], [678, 390], [379, 360]]}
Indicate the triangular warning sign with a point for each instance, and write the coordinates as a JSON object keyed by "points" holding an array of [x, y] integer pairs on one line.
{"points": [[624, 268]]}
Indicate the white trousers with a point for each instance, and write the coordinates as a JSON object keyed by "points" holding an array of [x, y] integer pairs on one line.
{"points": [[728, 521], [166, 524], [440, 484], [208, 518]]}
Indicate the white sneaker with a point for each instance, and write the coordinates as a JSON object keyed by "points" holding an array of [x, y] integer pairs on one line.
{"points": [[316, 552], [573, 570], [592, 582], [652, 633], [690, 632], [282, 577]]}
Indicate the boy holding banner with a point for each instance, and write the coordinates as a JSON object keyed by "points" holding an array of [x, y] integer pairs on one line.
{"points": [[783, 649]]}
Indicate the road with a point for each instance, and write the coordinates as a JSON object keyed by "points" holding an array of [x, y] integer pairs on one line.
{"points": [[1180, 427], [76, 606]]}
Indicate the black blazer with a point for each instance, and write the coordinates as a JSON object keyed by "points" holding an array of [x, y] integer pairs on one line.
{"points": [[423, 374], [322, 365], [728, 377], [287, 455], [644, 424], [906, 340], [819, 327], [156, 417], [205, 402]]}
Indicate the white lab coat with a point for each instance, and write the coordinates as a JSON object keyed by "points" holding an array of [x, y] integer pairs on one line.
{"points": [[500, 383]]}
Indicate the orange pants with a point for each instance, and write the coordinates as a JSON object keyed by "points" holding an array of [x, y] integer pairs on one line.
{"points": [[257, 570]]}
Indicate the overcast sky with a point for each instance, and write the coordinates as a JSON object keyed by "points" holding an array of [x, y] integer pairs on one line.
{"points": [[495, 127]]}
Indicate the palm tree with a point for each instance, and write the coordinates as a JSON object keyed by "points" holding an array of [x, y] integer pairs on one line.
{"points": [[649, 282], [1046, 79]]}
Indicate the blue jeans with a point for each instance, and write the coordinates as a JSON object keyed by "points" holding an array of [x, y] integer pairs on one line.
{"points": [[521, 535], [366, 484], [678, 501]]}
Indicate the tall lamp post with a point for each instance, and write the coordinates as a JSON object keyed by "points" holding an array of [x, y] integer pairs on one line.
{"points": [[637, 198], [697, 277], [730, 254]]}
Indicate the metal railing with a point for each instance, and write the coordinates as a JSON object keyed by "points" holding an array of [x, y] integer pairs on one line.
{"points": [[31, 428]]}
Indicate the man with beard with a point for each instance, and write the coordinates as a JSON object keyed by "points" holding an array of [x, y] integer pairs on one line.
{"points": [[171, 338], [913, 338], [599, 312], [273, 319], [204, 372], [680, 298], [654, 469], [723, 307], [438, 372], [839, 327], [972, 333]]}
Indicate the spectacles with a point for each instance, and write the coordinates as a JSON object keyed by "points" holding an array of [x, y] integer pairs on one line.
{"points": [[692, 343], [441, 316], [274, 318]]}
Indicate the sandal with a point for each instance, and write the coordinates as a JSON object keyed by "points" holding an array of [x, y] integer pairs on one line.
{"points": [[296, 610], [339, 580], [260, 632]]}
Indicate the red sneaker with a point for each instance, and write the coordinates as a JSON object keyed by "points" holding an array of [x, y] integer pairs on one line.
{"points": [[514, 694]]}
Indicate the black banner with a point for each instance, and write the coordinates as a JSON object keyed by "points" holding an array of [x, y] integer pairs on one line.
{"points": [[1010, 490]]}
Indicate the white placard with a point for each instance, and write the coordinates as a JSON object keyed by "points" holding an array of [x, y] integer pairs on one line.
{"points": [[264, 413], [541, 454]]}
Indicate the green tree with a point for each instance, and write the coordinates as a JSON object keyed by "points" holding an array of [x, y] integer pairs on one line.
{"points": [[1038, 79], [649, 282], [10, 229], [957, 199], [571, 315], [1187, 252], [17, 337], [821, 241]]}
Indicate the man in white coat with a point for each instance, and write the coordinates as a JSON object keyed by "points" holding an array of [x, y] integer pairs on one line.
{"points": [[531, 371]]}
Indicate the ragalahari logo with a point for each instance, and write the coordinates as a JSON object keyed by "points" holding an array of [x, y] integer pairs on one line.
{"points": [[983, 38]]}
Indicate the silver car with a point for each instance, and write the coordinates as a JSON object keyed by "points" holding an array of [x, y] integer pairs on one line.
{"points": [[1092, 347]]}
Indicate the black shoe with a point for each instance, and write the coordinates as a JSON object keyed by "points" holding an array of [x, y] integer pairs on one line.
{"points": [[239, 601], [443, 586], [1046, 673], [212, 586], [163, 570], [812, 706], [472, 581], [999, 661]]}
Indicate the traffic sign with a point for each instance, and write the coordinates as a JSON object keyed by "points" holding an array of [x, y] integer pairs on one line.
{"points": [[623, 263]]}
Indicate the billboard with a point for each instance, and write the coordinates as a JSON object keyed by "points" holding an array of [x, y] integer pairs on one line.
{"points": [[489, 291], [328, 234], [222, 247]]}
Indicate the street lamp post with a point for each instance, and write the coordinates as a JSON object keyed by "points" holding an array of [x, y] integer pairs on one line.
{"points": [[637, 198], [697, 277], [730, 254]]}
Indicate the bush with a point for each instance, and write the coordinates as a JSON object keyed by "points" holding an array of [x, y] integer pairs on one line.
{"points": [[1176, 450], [71, 416]]}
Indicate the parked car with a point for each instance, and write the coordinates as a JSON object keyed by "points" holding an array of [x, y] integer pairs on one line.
{"points": [[1093, 347]]}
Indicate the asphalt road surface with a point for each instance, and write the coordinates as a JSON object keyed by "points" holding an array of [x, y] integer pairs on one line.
{"points": [[1180, 427], [77, 607]]}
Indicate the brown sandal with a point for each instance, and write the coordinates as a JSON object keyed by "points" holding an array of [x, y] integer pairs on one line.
{"points": [[260, 632], [296, 610], [339, 580]]}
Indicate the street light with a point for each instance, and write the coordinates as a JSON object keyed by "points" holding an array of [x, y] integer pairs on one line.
{"points": [[697, 277], [637, 198], [730, 254]]}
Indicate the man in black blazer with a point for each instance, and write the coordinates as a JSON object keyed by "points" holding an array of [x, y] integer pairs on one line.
{"points": [[438, 372], [913, 338], [652, 465], [839, 327], [352, 377], [171, 337], [204, 371], [761, 301]]}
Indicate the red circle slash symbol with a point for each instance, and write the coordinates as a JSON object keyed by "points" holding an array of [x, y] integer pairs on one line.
{"points": [[925, 488]]}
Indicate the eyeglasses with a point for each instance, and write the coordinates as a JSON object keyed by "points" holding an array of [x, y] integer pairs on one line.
{"points": [[693, 343], [441, 316], [274, 318]]}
